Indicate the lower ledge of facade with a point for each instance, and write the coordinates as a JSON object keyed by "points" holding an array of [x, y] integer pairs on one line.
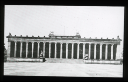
{"points": [[61, 58], [102, 62], [86, 61], [21, 58]]}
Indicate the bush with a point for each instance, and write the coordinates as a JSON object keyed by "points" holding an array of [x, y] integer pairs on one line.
{"points": [[5, 52], [5, 55]]}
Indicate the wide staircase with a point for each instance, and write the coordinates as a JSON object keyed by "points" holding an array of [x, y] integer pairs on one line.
{"points": [[57, 60], [48, 60], [80, 61]]}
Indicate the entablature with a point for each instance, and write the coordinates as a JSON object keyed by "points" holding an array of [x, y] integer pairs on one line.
{"points": [[64, 41]]}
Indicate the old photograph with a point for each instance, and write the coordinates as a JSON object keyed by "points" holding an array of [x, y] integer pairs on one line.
{"points": [[68, 41]]}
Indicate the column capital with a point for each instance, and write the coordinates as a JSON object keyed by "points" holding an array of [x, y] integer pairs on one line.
{"points": [[112, 44], [101, 44], [32, 42], [89, 43], [27, 42], [55, 42], [15, 41], [38, 42], [84, 43], [107, 44], [21, 42], [72, 43], [61, 43], [44, 42], [67, 43], [95, 43], [78, 43]]}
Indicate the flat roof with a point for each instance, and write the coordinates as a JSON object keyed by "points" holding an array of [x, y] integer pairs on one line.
{"points": [[62, 38]]}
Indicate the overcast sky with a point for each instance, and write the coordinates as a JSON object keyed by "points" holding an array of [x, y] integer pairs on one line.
{"points": [[89, 21]]}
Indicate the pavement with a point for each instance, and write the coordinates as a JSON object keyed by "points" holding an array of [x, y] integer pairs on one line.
{"points": [[62, 69]]}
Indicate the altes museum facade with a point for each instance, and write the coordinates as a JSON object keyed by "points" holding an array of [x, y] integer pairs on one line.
{"points": [[63, 47]]}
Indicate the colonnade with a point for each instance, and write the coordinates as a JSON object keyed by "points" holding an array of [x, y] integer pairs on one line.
{"points": [[89, 54]]}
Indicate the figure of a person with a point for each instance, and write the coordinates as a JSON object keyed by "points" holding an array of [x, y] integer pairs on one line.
{"points": [[41, 55], [85, 57]]}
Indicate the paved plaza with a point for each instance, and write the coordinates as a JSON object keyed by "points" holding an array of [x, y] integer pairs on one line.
{"points": [[62, 69]]}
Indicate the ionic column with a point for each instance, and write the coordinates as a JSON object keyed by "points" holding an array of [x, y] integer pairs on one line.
{"points": [[26, 49], [15, 49], [38, 50], [44, 49], [72, 49], [78, 50], [89, 50], [55, 49], [66, 50], [20, 49], [106, 52], [101, 51], [9, 50], [112, 51], [32, 48], [61, 50], [118, 52], [49, 50], [83, 49], [95, 51]]}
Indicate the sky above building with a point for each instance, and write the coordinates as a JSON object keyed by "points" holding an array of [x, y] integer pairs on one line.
{"points": [[89, 21]]}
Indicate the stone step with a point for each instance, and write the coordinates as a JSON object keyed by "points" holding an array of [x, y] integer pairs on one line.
{"points": [[72, 61], [58, 60], [102, 62]]}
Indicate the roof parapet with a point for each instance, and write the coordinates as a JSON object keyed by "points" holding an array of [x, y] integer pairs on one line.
{"points": [[118, 38], [10, 34], [78, 35], [51, 34]]}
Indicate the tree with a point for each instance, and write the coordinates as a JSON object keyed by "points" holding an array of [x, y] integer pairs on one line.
{"points": [[5, 51], [5, 54]]}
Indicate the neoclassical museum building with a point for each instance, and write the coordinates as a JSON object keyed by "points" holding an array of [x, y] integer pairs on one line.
{"points": [[63, 47]]}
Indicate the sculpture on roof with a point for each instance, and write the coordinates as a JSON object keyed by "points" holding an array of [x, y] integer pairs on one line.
{"points": [[51, 34], [78, 35], [10, 34]]}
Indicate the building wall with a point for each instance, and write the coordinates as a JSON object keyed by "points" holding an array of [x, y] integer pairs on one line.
{"points": [[63, 50]]}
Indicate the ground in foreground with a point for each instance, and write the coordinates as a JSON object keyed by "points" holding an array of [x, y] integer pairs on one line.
{"points": [[62, 69]]}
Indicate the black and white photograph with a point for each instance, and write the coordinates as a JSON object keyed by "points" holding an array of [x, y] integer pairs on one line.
{"points": [[66, 41]]}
